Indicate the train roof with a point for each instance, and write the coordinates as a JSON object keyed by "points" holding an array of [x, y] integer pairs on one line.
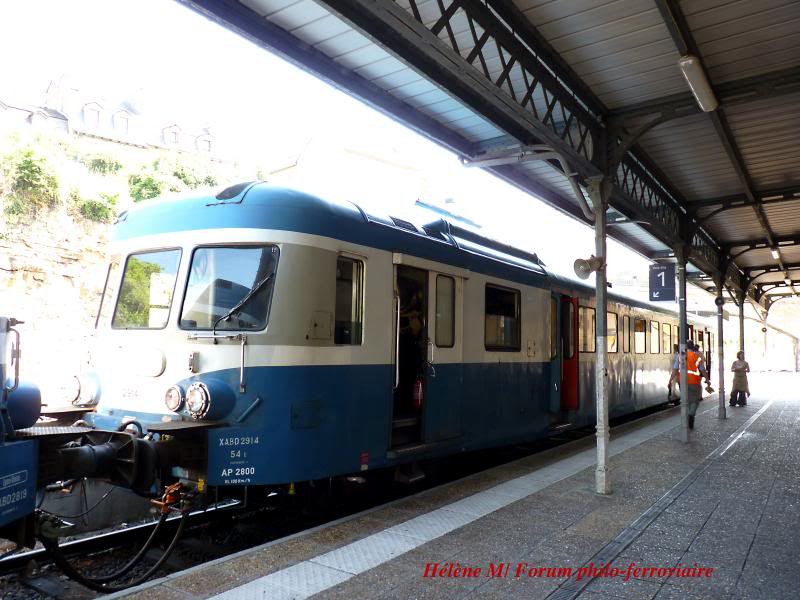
{"points": [[260, 205]]}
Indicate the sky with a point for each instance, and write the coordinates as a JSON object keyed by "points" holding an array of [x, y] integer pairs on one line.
{"points": [[190, 67]]}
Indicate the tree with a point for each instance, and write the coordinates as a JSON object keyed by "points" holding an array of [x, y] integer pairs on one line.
{"points": [[133, 308]]}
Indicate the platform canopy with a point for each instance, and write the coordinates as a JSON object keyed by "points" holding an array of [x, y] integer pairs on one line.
{"points": [[597, 82]]}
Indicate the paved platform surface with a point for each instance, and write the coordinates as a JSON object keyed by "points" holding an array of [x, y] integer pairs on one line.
{"points": [[728, 502]]}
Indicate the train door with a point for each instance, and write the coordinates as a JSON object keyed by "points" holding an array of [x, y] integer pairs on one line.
{"points": [[441, 403], [411, 335], [569, 353], [555, 354]]}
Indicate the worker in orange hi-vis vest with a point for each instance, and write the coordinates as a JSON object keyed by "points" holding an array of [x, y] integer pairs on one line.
{"points": [[695, 369]]}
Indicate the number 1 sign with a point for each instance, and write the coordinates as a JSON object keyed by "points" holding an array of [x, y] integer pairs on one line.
{"points": [[662, 282]]}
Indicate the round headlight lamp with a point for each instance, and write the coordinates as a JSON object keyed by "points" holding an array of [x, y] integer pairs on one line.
{"points": [[88, 390], [198, 400], [174, 398]]}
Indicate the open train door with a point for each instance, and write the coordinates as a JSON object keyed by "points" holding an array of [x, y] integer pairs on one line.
{"points": [[569, 353], [410, 376], [428, 354], [554, 402]]}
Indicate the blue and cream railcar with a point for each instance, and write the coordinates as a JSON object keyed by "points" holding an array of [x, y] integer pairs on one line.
{"points": [[308, 339]]}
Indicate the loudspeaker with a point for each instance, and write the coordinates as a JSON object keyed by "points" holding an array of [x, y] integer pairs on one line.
{"points": [[584, 268]]}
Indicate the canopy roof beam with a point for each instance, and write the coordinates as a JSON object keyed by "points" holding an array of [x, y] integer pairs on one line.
{"points": [[739, 91], [767, 196], [684, 41], [562, 122]]}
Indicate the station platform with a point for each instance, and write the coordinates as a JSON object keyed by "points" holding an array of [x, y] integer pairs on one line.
{"points": [[718, 517]]}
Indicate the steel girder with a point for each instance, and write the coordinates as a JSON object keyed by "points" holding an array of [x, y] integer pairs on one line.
{"points": [[684, 41], [250, 25], [766, 196], [544, 109], [739, 91], [755, 243], [759, 270], [536, 110], [261, 32], [533, 96]]}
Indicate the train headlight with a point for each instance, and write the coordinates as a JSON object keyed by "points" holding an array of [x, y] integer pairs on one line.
{"points": [[89, 390], [174, 398], [198, 400]]}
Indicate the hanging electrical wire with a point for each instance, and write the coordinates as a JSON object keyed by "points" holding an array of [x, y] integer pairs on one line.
{"points": [[171, 498]]}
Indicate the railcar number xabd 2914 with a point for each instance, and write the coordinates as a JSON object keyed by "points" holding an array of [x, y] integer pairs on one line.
{"points": [[236, 457]]}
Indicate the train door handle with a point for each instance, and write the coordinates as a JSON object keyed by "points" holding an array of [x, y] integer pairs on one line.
{"points": [[429, 358]]}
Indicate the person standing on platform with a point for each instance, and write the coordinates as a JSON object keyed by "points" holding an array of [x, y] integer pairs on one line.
{"points": [[740, 390], [695, 369]]}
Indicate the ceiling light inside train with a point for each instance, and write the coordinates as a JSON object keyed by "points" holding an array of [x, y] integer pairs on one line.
{"points": [[174, 398], [198, 400]]}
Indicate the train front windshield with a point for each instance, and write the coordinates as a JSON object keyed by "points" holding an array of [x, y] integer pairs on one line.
{"points": [[229, 288]]}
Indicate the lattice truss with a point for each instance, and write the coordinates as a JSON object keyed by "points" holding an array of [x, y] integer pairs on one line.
{"points": [[473, 31]]}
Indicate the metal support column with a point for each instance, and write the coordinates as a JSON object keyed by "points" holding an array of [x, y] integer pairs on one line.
{"points": [[598, 192], [720, 302], [684, 335], [742, 300]]}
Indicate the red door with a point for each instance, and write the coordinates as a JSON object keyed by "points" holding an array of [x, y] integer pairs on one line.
{"points": [[569, 353]]}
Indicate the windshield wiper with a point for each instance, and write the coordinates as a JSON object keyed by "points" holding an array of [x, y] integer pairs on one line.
{"points": [[238, 306]]}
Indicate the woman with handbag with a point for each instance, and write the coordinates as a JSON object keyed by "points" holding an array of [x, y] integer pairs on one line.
{"points": [[740, 390]]}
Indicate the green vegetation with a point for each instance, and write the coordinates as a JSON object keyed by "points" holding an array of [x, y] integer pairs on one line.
{"points": [[102, 164], [133, 308], [191, 178], [33, 185], [143, 187], [100, 210], [164, 175], [98, 178]]}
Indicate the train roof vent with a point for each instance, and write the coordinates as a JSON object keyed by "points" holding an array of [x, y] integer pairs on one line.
{"points": [[404, 224], [478, 244], [437, 229], [232, 191]]}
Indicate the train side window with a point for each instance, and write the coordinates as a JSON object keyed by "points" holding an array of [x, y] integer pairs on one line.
{"points": [[611, 331], [639, 336], [145, 295], [666, 341], [553, 327], [626, 333], [676, 338], [502, 319], [445, 311], [586, 329], [655, 337], [349, 311]]}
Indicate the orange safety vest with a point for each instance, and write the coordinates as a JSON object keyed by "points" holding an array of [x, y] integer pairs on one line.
{"points": [[693, 373]]}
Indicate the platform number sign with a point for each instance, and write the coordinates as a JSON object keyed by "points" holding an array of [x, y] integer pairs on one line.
{"points": [[662, 283]]}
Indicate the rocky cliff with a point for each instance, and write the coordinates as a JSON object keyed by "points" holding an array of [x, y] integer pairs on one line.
{"points": [[52, 273]]}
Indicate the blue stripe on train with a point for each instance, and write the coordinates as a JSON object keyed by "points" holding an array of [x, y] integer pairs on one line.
{"points": [[318, 421]]}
